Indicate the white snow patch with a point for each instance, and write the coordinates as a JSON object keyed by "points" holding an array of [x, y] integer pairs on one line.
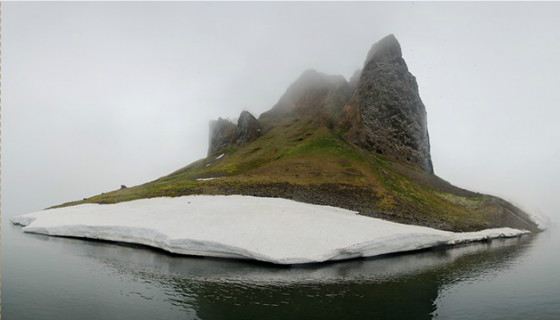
{"points": [[268, 229], [207, 179]]}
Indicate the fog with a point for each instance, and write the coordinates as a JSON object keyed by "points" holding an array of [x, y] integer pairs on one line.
{"points": [[95, 95]]}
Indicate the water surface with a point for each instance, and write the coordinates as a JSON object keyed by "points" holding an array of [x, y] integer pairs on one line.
{"points": [[59, 278]]}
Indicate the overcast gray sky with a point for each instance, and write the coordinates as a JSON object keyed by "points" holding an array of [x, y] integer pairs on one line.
{"points": [[95, 95]]}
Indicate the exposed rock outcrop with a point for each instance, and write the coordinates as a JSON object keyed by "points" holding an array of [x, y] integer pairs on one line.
{"points": [[248, 128], [391, 118], [379, 108], [224, 133]]}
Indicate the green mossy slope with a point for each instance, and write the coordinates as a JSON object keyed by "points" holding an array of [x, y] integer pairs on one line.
{"points": [[307, 161]]}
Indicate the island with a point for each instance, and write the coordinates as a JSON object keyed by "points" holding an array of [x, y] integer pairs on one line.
{"points": [[336, 169]]}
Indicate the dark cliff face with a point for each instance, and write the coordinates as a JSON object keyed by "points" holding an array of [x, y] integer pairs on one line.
{"points": [[390, 118], [224, 133], [378, 109], [248, 128]]}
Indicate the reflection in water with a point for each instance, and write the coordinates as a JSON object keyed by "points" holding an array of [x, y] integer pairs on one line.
{"points": [[392, 287]]}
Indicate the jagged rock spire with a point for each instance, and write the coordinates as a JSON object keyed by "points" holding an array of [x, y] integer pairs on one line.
{"points": [[224, 133], [379, 108], [387, 48], [248, 128], [391, 118]]}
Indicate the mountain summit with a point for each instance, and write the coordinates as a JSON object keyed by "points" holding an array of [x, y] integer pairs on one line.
{"points": [[387, 48], [382, 112], [361, 144], [390, 116]]}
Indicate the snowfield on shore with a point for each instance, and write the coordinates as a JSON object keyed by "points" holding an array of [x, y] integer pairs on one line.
{"points": [[274, 230]]}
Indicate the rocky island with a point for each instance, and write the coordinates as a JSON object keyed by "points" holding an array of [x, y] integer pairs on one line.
{"points": [[336, 169]]}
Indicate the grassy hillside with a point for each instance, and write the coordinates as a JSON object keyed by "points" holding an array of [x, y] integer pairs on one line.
{"points": [[305, 160]]}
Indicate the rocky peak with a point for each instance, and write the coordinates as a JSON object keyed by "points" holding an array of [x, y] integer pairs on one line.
{"points": [[224, 133], [390, 116], [379, 108], [248, 128], [387, 48]]}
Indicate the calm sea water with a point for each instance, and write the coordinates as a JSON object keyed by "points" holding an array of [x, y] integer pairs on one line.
{"points": [[57, 278]]}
